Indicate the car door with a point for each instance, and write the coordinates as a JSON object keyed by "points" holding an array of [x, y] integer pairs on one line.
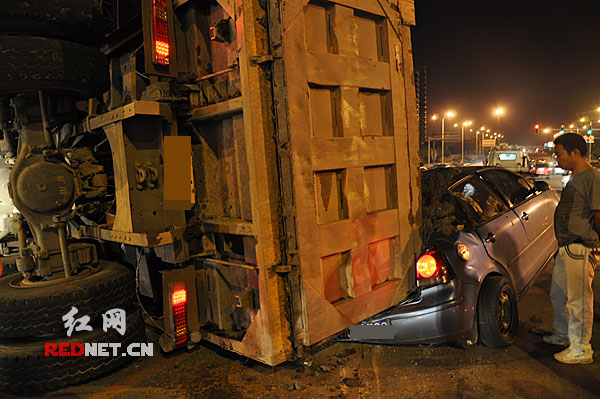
{"points": [[535, 213], [499, 229]]}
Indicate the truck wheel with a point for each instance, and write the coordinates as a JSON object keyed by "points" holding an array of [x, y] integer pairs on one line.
{"points": [[498, 313], [25, 368], [80, 21], [29, 312], [37, 63]]}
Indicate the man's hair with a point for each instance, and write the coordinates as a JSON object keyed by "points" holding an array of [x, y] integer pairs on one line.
{"points": [[571, 142]]}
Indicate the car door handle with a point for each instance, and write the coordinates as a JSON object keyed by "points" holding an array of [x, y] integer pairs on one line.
{"points": [[525, 216], [491, 237]]}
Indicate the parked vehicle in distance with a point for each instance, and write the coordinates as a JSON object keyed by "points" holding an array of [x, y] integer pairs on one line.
{"points": [[542, 168], [488, 233], [513, 158]]}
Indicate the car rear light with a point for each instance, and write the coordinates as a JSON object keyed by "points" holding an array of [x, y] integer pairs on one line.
{"points": [[431, 269], [179, 313], [160, 33]]}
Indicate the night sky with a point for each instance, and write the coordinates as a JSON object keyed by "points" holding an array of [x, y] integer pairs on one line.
{"points": [[539, 60]]}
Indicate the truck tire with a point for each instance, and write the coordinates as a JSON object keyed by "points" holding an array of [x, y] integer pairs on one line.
{"points": [[30, 312], [497, 313], [25, 368], [79, 21], [37, 63]]}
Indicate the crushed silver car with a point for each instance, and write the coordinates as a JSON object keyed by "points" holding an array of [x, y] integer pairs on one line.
{"points": [[487, 234]]}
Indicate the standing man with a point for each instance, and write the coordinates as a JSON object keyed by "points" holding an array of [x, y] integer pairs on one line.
{"points": [[576, 225]]}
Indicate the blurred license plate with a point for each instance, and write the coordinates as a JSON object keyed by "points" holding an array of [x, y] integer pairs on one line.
{"points": [[362, 331]]}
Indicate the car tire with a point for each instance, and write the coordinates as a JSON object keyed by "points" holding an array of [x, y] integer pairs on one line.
{"points": [[79, 21], [38, 63], [25, 369], [497, 312], [30, 312]]}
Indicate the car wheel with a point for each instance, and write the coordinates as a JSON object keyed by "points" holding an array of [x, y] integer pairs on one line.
{"points": [[38, 63], [497, 313], [25, 368], [34, 311], [79, 21]]}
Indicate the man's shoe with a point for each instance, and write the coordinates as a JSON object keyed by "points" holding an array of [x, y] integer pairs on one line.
{"points": [[555, 340], [570, 356]]}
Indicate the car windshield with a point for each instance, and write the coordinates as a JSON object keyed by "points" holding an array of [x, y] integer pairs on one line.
{"points": [[513, 187], [507, 156]]}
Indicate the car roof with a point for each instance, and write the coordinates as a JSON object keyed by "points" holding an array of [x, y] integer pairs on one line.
{"points": [[454, 174]]}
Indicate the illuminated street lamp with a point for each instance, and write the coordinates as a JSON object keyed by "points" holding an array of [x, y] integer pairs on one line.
{"points": [[462, 146], [572, 125]]}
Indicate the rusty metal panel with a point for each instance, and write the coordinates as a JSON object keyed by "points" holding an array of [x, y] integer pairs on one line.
{"points": [[308, 181], [237, 190], [352, 154]]}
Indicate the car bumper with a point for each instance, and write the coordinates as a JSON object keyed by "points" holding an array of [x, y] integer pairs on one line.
{"points": [[438, 314]]}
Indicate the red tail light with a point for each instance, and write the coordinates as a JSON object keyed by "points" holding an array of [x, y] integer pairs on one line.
{"points": [[179, 312], [431, 269], [160, 33]]}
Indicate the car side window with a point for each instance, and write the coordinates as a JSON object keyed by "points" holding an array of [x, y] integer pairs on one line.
{"points": [[515, 188], [479, 198]]}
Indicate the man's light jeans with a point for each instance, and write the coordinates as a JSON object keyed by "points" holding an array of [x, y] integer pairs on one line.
{"points": [[572, 295]]}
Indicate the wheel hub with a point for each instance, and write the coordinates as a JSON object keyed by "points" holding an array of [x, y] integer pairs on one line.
{"points": [[504, 312]]}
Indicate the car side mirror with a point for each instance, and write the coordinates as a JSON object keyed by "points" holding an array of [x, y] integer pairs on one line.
{"points": [[541, 185]]}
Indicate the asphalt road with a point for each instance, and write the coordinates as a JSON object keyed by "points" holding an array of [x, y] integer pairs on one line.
{"points": [[351, 370]]}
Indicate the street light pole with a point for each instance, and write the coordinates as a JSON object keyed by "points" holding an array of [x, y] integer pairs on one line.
{"points": [[498, 112], [462, 144], [449, 114], [443, 117]]}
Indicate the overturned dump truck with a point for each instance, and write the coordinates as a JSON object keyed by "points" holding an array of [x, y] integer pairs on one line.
{"points": [[243, 172]]}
